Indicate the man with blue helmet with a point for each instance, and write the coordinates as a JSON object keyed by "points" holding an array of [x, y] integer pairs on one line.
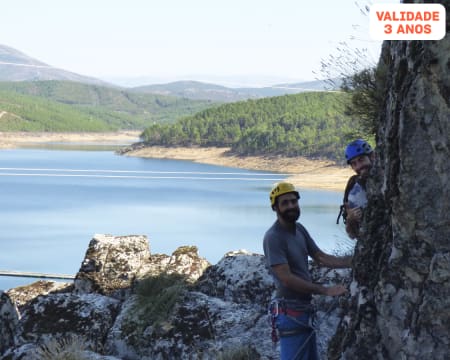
{"points": [[360, 157]]}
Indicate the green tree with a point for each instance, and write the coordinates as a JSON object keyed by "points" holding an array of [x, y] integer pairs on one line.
{"points": [[367, 89]]}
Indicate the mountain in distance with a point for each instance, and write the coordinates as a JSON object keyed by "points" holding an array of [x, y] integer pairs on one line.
{"points": [[16, 66], [315, 85], [290, 88], [196, 90]]}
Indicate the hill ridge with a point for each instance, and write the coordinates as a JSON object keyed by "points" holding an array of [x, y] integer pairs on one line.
{"points": [[17, 66]]}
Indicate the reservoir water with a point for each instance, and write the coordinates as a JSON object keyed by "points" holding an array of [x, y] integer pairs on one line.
{"points": [[54, 201]]}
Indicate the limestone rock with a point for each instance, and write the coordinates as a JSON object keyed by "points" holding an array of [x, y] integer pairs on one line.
{"points": [[8, 322], [240, 277], [88, 316], [112, 263], [401, 286], [220, 308], [184, 261], [23, 294], [205, 323]]}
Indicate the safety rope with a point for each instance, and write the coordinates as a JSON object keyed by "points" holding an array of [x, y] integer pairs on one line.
{"points": [[313, 331]]}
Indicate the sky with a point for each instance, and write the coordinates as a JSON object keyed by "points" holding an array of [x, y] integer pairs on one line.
{"points": [[233, 42]]}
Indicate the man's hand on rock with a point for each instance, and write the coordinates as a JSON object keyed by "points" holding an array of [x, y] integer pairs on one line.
{"points": [[335, 290]]}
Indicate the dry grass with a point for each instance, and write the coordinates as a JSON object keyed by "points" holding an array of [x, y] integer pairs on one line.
{"points": [[69, 348]]}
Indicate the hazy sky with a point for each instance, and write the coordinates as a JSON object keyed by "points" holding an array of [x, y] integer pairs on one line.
{"points": [[176, 39]]}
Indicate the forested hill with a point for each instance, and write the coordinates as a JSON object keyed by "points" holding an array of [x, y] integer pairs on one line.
{"points": [[306, 124], [72, 106]]}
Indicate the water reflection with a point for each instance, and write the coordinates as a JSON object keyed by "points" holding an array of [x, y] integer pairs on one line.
{"points": [[50, 211]]}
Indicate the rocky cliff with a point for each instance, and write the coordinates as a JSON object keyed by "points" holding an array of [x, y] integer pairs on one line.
{"points": [[400, 306], [126, 303]]}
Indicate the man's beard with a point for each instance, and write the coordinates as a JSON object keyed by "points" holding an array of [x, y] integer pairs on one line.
{"points": [[364, 172], [290, 216]]}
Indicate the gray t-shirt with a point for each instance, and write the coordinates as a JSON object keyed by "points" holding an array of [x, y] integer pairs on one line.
{"points": [[284, 247]]}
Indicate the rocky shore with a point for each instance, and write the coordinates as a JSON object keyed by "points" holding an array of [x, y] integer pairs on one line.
{"points": [[115, 309], [10, 140], [302, 172]]}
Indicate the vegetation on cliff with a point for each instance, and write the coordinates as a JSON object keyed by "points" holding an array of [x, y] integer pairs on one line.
{"points": [[306, 124]]}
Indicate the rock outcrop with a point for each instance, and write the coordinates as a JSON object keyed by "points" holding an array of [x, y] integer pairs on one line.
{"points": [[9, 319], [400, 306], [111, 264], [115, 310]]}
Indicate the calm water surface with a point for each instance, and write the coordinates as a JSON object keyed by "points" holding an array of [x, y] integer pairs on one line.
{"points": [[54, 201]]}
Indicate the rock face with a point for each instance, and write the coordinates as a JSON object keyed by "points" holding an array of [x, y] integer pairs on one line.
{"points": [[219, 310], [112, 263], [8, 322], [400, 306]]}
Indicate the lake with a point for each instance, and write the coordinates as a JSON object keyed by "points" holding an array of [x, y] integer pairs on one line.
{"points": [[54, 201]]}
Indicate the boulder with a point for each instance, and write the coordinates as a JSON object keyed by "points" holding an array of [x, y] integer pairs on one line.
{"points": [[240, 277], [199, 312], [24, 294], [58, 316], [111, 264], [9, 319]]}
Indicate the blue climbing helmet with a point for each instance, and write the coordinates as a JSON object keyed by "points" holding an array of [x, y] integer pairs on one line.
{"points": [[357, 148]]}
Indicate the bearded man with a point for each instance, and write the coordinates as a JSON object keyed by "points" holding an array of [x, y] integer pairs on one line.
{"points": [[287, 245], [360, 157]]}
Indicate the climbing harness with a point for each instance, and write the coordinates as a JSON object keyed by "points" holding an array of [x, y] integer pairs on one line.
{"points": [[278, 306], [342, 211], [274, 310]]}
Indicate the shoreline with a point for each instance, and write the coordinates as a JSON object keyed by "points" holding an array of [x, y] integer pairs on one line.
{"points": [[302, 172], [11, 140]]}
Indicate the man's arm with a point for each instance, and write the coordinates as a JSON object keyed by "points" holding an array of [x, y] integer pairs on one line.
{"points": [[332, 261], [297, 284]]}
